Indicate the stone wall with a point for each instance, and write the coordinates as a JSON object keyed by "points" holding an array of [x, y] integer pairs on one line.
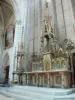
{"points": [[65, 19], [30, 15], [36, 10], [1, 47]]}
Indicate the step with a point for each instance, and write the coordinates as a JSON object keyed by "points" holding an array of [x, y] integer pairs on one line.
{"points": [[29, 93], [47, 91], [17, 97], [21, 97], [35, 93]]}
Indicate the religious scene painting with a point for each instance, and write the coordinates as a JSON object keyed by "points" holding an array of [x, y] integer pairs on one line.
{"points": [[63, 64], [9, 36], [58, 64]]}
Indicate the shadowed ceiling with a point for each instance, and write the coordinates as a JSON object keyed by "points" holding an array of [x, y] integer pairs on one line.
{"points": [[7, 3], [7, 10]]}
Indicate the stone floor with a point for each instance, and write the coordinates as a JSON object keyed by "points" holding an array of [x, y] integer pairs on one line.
{"points": [[36, 93], [2, 97]]}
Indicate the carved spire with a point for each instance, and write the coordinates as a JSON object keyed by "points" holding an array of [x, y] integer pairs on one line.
{"points": [[47, 28], [47, 31]]}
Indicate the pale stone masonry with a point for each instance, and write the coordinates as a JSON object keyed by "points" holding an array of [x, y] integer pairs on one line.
{"points": [[62, 18], [65, 19], [30, 14]]}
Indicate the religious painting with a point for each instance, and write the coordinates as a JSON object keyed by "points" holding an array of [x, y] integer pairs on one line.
{"points": [[58, 64], [54, 65], [9, 36], [47, 62], [63, 64]]}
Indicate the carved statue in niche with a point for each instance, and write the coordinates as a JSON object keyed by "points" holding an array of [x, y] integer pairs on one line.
{"points": [[46, 28], [46, 4], [45, 42], [47, 63]]}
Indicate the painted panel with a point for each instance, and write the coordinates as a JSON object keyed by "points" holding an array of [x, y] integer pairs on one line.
{"points": [[9, 36]]}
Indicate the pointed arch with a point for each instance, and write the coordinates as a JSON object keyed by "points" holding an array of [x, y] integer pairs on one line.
{"points": [[6, 60]]}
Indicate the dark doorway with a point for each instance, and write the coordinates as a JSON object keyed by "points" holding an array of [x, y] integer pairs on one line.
{"points": [[6, 79], [73, 61]]}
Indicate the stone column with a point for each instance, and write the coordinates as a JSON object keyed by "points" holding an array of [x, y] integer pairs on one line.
{"points": [[43, 80], [27, 79], [51, 81], [72, 70], [33, 80], [13, 76], [17, 38], [1, 56], [37, 81], [63, 80], [21, 79], [54, 14], [20, 14], [18, 78], [39, 22], [48, 80]]}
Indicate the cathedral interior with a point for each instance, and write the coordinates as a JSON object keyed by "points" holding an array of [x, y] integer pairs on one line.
{"points": [[37, 48]]}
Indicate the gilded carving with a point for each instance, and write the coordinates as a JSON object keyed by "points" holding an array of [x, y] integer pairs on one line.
{"points": [[47, 63]]}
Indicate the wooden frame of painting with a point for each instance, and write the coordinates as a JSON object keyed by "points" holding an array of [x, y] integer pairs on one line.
{"points": [[9, 37]]}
